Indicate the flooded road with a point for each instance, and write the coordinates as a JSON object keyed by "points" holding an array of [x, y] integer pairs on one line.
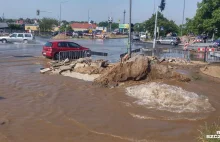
{"points": [[52, 108]]}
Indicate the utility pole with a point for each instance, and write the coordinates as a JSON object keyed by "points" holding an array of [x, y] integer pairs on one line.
{"points": [[129, 39], [88, 17], [155, 29], [124, 17], [61, 12], [184, 4], [3, 17]]}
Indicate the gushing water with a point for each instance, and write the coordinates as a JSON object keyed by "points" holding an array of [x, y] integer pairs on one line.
{"points": [[169, 98]]}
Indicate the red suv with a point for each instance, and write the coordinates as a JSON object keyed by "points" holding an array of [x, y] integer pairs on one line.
{"points": [[52, 48]]}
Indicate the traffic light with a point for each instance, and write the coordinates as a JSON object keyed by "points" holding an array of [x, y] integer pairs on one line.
{"points": [[132, 27], [216, 30], [162, 5], [38, 12]]}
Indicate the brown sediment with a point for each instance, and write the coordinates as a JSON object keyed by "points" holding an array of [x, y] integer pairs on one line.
{"points": [[53, 108], [212, 70]]}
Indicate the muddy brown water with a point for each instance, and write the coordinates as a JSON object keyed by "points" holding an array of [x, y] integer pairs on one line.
{"points": [[53, 108]]}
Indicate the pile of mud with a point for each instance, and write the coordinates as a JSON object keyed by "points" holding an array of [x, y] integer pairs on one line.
{"points": [[169, 98], [213, 71], [61, 37], [137, 68]]}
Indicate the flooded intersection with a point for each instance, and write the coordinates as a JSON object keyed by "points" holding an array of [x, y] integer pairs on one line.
{"points": [[53, 108]]}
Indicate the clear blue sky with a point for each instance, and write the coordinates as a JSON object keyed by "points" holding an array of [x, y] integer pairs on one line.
{"points": [[75, 10]]}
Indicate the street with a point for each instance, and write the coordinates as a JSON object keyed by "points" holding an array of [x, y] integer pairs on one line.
{"points": [[36, 107]]}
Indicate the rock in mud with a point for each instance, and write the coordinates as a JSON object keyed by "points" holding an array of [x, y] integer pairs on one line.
{"points": [[3, 121], [45, 70]]}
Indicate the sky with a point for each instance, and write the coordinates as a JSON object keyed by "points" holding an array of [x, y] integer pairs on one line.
{"points": [[99, 10]]}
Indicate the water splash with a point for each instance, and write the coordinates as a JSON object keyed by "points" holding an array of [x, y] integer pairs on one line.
{"points": [[169, 98]]}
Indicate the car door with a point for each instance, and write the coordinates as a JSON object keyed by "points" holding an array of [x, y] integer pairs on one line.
{"points": [[12, 38], [163, 41], [77, 51], [20, 38]]}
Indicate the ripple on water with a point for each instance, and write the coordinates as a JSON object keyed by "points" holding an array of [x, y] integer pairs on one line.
{"points": [[169, 98]]}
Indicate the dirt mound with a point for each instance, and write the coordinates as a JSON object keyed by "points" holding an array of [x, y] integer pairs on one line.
{"points": [[89, 70], [134, 69], [61, 36], [213, 71], [137, 68]]}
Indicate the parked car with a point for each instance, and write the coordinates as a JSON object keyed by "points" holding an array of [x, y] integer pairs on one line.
{"points": [[169, 40], [52, 48], [69, 33], [216, 42], [55, 33], [17, 37], [136, 37]]}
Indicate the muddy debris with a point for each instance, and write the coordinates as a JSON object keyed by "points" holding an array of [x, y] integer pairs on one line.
{"points": [[138, 68], [211, 70]]}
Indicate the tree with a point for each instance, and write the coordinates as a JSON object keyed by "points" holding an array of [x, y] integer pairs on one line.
{"points": [[139, 27], [106, 24], [207, 18], [66, 27], [168, 25], [46, 24], [103, 24]]}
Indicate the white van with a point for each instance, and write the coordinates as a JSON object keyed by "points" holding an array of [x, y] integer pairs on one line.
{"points": [[17, 37]]}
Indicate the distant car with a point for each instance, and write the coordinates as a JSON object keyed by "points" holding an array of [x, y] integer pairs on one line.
{"points": [[169, 40], [52, 48], [55, 33], [69, 33], [17, 37], [136, 37], [216, 42]]}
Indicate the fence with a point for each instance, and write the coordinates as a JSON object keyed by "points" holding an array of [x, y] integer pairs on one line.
{"points": [[71, 55], [212, 57], [167, 53]]}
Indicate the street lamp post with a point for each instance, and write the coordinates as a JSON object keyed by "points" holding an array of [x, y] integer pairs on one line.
{"points": [[155, 29], [184, 3], [129, 39], [61, 10]]}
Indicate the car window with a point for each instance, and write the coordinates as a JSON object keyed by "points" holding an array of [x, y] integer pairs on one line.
{"points": [[27, 35], [20, 35], [73, 45], [13, 35], [62, 44], [48, 44]]}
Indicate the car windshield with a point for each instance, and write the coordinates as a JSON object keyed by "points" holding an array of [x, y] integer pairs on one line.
{"points": [[48, 44]]}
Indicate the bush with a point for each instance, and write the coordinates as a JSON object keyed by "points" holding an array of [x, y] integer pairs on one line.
{"points": [[208, 130]]}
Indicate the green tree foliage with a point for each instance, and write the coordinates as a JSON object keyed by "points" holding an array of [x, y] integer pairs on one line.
{"points": [[66, 27], [46, 24], [207, 18], [139, 27], [10, 20], [168, 25], [106, 24]]}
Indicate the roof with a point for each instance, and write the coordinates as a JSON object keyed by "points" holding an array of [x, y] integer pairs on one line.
{"points": [[83, 26], [3, 25]]}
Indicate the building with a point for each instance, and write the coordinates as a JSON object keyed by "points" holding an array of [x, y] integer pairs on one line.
{"points": [[83, 26], [31, 27], [3, 26]]}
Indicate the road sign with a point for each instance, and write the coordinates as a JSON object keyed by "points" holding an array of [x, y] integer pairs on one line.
{"points": [[90, 31], [161, 28], [123, 26]]}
